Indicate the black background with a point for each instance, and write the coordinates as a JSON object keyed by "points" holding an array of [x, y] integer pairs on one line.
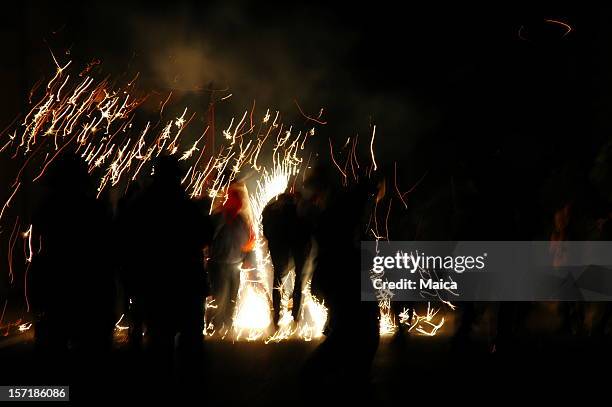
{"points": [[506, 121]]}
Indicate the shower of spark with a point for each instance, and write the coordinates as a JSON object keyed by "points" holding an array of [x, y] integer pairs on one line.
{"points": [[312, 314], [422, 324], [387, 324], [349, 172], [95, 119], [255, 294], [252, 311]]}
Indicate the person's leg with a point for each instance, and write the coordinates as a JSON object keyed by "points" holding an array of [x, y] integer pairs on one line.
{"points": [[135, 331], [280, 263], [233, 277], [159, 321], [220, 290], [191, 320], [190, 345], [300, 255]]}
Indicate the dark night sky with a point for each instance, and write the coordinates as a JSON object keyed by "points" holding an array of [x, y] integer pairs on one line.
{"points": [[502, 122], [505, 117]]}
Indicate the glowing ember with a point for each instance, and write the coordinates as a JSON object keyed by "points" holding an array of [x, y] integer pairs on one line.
{"points": [[118, 325], [25, 327], [422, 324], [387, 325]]}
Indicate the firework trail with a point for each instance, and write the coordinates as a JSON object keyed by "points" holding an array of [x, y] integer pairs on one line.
{"points": [[77, 113]]}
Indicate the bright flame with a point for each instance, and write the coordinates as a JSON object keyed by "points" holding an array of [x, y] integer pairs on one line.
{"points": [[252, 313]]}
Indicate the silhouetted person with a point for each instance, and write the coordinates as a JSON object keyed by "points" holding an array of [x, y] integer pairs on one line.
{"points": [[352, 335], [288, 237], [127, 262], [231, 251], [167, 234], [71, 280]]}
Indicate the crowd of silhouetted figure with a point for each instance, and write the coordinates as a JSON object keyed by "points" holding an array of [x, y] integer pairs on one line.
{"points": [[159, 254]]}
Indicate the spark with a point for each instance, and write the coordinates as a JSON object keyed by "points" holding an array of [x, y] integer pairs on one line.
{"points": [[3, 311], [96, 121], [387, 219], [11, 245], [415, 185], [331, 152], [568, 28], [25, 287], [25, 327], [372, 148], [422, 324], [396, 187], [187, 154], [163, 105], [8, 201], [28, 236], [387, 325], [316, 120], [118, 325]]}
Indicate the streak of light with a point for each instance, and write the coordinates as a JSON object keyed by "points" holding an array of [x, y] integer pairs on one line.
{"points": [[331, 152], [422, 324], [372, 148], [568, 28], [316, 120], [415, 185], [25, 327], [118, 325], [96, 121], [8, 201], [28, 236], [396, 187], [11, 245], [3, 311]]}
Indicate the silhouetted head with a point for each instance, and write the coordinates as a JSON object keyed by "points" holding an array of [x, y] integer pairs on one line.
{"points": [[67, 173], [285, 198], [317, 185], [317, 179], [167, 170]]}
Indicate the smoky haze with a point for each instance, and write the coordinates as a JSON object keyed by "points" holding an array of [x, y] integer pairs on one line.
{"points": [[457, 94], [271, 55]]}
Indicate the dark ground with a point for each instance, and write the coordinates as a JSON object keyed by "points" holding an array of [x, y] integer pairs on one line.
{"points": [[424, 370]]}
